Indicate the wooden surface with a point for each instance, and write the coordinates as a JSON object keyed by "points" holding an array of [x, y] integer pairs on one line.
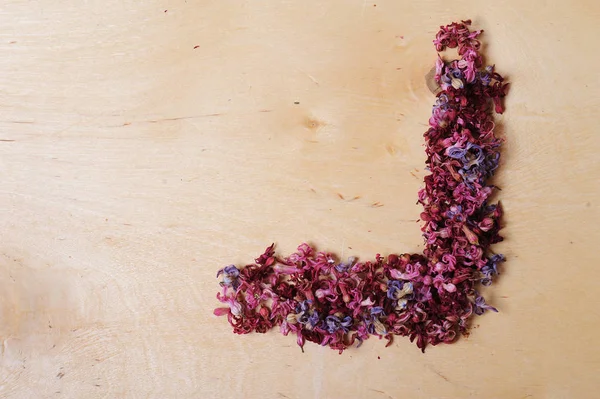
{"points": [[134, 165]]}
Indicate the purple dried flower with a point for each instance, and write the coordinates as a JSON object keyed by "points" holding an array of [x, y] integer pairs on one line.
{"points": [[344, 266], [394, 286], [377, 311], [474, 155], [456, 152], [230, 276], [491, 269], [480, 306], [313, 319], [398, 289], [334, 323]]}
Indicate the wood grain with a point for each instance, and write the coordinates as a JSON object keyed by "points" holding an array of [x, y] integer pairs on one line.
{"points": [[144, 145]]}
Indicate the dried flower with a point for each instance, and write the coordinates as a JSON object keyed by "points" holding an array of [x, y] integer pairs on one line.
{"points": [[427, 297], [491, 269], [230, 276], [343, 267], [481, 306], [334, 323]]}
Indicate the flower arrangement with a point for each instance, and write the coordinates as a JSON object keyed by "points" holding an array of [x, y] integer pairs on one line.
{"points": [[428, 297]]}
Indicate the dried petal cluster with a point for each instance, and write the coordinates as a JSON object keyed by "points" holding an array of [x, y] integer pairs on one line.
{"points": [[427, 297]]}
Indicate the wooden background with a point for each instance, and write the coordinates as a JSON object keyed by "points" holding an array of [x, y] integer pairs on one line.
{"points": [[144, 145]]}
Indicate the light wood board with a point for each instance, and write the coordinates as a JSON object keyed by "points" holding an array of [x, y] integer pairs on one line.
{"points": [[146, 144]]}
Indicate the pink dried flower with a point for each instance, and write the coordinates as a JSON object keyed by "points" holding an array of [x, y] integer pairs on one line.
{"points": [[430, 297]]}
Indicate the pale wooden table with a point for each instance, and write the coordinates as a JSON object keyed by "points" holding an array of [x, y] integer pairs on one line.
{"points": [[134, 165]]}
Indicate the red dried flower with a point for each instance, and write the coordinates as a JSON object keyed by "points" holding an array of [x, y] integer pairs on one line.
{"points": [[428, 297]]}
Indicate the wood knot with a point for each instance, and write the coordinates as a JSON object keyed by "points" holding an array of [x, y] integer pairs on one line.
{"points": [[313, 124]]}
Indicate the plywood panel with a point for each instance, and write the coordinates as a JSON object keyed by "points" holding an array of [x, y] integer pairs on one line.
{"points": [[144, 145]]}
